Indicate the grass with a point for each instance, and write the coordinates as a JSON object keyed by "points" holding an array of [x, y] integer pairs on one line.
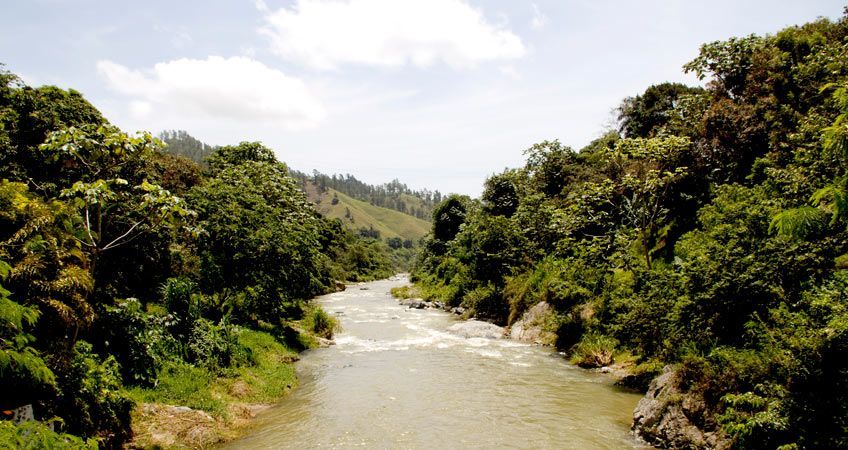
{"points": [[594, 351], [220, 405], [388, 222], [405, 292], [317, 321]]}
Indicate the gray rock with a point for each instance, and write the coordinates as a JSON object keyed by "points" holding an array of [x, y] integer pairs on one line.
{"points": [[414, 303], [530, 327], [477, 329], [664, 417]]}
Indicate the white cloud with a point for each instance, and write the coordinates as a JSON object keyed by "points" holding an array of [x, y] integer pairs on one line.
{"points": [[510, 72], [327, 33], [238, 88], [539, 20]]}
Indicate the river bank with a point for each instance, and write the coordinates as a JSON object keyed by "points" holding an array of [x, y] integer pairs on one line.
{"points": [[192, 407]]}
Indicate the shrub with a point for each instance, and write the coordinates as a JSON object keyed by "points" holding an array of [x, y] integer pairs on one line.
{"points": [[216, 347], [91, 402], [176, 295], [320, 323], [136, 339], [594, 351], [486, 302]]}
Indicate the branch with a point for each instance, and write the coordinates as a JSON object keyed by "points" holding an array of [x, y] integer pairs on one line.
{"points": [[88, 228], [112, 244]]}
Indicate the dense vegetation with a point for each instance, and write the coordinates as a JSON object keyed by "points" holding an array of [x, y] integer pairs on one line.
{"points": [[708, 232], [122, 266], [391, 213]]}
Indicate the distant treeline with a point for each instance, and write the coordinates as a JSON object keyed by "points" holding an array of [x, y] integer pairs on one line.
{"points": [[393, 195], [180, 143]]}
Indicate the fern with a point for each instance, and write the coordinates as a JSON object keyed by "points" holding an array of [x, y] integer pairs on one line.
{"points": [[835, 198], [19, 361], [799, 222]]}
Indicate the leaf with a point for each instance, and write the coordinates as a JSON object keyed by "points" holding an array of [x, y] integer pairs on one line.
{"points": [[799, 222]]}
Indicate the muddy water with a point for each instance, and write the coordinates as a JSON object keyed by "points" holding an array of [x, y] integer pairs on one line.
{"points": [[397, 379]]}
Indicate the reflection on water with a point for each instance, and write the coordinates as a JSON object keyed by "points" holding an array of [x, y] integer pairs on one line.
{"points": [[397, 379]]}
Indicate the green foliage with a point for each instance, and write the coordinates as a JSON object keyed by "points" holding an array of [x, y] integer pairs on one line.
{"points": [[448, 217], [22, 370], [91, 402], [216, 346], [648, 114], [317, 321], [181, 144], [36, 436], [594, 351], [500, 197], [138, 341], [181, 383], [114, 211], [256, 219], [491, 247], [356, 214], [712, 237], [393, 195], [48, 267], [728, 62], [486, 302], [27, 116], [235, 155]]}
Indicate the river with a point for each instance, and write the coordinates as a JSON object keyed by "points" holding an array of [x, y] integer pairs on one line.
{"points": [[397, 379]]}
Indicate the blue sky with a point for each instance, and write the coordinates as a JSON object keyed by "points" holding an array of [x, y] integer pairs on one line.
{"points": [[437, 93]]}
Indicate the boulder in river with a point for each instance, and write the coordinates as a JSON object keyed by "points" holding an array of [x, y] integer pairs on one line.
{"points": [[415, 303], [477, 329], [668, 417]]}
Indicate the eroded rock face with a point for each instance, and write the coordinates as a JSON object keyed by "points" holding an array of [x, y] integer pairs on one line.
{"points": [[666, 416], [477, 329], [530, 327]]}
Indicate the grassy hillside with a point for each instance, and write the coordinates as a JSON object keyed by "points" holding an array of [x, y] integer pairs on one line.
{"points": [[388, 222]]}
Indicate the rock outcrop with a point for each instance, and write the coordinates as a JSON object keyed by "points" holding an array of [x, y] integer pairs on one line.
{"points": [[530, 328], [666, 416]]}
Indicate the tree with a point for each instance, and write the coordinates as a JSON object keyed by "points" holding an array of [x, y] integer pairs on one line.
{"points": [[27, 116], [500, 198], [647, 114], [260, 235], [233, 155], [114, 212], [449, 216], [727, 61], [648, 174]]}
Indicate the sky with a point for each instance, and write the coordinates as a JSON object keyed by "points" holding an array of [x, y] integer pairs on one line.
{"points": [[437, 93]]}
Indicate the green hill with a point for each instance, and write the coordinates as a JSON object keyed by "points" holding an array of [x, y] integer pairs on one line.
{"points": [[356, 214]]}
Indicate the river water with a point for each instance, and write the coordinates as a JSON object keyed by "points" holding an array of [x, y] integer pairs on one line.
{"points": [[397, 379]]}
